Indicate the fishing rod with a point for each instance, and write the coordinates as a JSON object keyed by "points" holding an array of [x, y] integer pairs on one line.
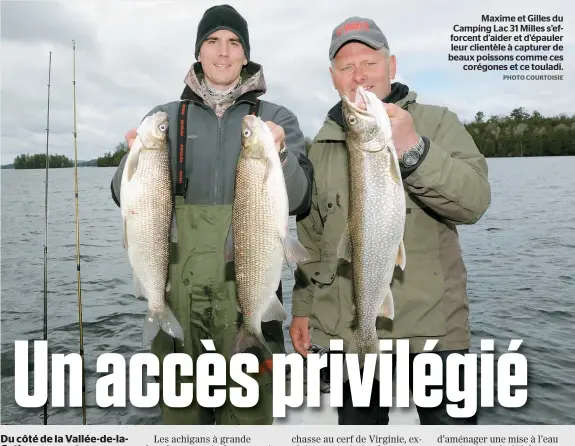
{"points": [[78, 240], [46, 229]]}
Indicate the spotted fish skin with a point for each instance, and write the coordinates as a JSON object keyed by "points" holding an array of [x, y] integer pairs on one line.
{"points": [[373, 237], [146, 206], [258, 241]]}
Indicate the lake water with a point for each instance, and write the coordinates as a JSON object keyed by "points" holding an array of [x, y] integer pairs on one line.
{"points": [[520, 259]]}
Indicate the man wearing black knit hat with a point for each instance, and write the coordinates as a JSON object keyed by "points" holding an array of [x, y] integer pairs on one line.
{"points": [[221, 88]]}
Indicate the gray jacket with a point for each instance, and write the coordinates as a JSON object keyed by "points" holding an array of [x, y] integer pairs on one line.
{"points": [[213, 147]]}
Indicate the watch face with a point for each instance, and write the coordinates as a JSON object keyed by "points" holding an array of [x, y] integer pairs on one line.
{"points": [[410, 158]]}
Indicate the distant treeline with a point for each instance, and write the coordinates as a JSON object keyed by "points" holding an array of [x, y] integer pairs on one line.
{"points": [[518, 134], [113, 159], [523, 134], [38, 161]]}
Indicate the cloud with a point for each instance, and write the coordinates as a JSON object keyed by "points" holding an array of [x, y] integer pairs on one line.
{"points": [[132, 56], [39, 22]]}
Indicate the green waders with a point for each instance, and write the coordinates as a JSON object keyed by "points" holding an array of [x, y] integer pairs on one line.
{"points": [[203, 298]]}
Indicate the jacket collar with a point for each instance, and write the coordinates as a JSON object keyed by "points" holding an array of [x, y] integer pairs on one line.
{"points": [[188, 94], [253, 81]]}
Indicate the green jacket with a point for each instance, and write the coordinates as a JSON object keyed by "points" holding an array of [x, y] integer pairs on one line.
{"points": [[449, 187]]}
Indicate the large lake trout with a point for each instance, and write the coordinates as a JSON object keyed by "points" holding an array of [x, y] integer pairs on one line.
{"points": [[259, 240], [373, 237], [146, 204]]}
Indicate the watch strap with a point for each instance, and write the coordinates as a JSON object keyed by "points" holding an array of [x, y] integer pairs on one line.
{"points": [[419, 148], [406, 171], [283, 153]]}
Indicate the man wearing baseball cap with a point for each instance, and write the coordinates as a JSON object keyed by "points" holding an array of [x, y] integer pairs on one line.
{"points": [[446, 183], [222, 87]]}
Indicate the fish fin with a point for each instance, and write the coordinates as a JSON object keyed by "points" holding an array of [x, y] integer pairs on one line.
{"points": [[125, 233], [238, 305], [165, 320], [245, 339], [275, 311], [268, 165], [138, 287], [395, 169], [229, 246], [387, 309], [174, 230], [401, 258], [267, 172], [168, 286], [344, 247], [294, 251], [133, 158], [169, 323], [150, 330]]}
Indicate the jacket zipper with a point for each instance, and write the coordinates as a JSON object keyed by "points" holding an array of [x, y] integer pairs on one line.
{"points": [[218, 141], [217, 157], [219, 148], [209, 109]]}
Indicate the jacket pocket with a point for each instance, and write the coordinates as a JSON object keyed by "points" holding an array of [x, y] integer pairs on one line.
{"points": [[325, 306], [333, 210], [329, 201]]}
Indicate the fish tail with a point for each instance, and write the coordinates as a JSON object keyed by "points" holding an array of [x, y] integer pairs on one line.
{"points": [[164, 320], [245, 339]]}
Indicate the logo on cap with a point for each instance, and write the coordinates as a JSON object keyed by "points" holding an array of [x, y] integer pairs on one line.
{"points": [[353, 26]]}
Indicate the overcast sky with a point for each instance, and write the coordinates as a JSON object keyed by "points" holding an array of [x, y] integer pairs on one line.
{"points": [[132, 56]]}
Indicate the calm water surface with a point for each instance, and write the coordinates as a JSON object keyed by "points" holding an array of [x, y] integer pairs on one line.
{"points": [[520, 259]]}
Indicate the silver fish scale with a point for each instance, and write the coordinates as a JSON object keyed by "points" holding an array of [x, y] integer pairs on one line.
{"points": [[255, 238], [149, 204], [376, 226]]}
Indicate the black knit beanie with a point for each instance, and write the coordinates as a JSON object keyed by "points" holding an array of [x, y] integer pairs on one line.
{"points": [[223, 17]]}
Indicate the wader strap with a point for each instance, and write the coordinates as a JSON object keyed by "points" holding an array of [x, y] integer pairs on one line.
{"points": [[255, 108], [181, 180]]}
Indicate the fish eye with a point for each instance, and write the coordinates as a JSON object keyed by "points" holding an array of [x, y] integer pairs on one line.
{"points": [[162, 127], [352, 119], [247, 133]]}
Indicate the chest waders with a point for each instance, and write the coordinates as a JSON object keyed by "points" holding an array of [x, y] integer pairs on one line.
{"points": [[203, 298]]}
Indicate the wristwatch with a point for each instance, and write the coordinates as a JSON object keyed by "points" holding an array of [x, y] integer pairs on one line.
{"points": [[283, 153], [412, 156]]}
